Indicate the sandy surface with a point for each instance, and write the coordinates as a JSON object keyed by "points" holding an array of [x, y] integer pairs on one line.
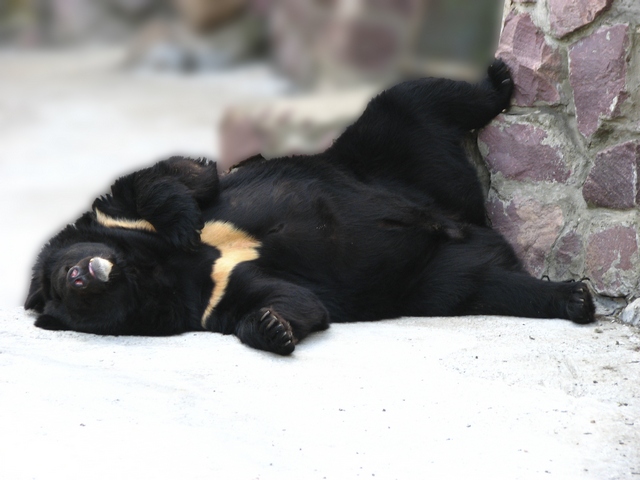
{"points": [[495, 398]]}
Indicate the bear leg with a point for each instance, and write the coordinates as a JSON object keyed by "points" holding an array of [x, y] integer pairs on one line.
{"points": [[518, 294]]}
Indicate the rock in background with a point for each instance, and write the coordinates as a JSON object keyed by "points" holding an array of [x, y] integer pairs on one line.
{"points": [[73, 22], [565, 160], [338, 54]]}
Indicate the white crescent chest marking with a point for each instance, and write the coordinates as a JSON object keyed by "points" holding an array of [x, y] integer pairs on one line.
{"points": [[235, 247]]}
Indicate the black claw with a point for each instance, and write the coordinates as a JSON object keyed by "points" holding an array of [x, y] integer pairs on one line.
{"points": [[500, 79], [275, 333]]}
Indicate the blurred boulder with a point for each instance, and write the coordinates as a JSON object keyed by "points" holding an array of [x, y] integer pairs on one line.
{"points": [[304, 124], [55, 22], [134, 8], [203, 15], [343, 42], [175, 45]]}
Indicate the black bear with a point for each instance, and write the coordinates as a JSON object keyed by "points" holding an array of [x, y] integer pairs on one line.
{"points": [[388, 222]]}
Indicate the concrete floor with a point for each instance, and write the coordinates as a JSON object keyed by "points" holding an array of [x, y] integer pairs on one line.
{"points": [[476, 397]]}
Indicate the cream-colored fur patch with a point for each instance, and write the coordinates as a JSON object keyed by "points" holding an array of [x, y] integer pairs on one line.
{"points": [[235, 247], [111, 222]]}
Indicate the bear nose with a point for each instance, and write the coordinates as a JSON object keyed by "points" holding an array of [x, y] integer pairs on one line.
{"points": [[74, 278]]}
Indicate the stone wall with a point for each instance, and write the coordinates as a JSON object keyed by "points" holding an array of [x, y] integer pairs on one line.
{"points": [[562, 167], [565, 160]]}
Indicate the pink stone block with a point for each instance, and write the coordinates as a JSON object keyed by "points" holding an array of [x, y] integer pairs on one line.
{"points": [[610, 259], [613, 180], [566, 16], [535, 65], [517, 151], [567, 249], [531, 227], [597, 73]]}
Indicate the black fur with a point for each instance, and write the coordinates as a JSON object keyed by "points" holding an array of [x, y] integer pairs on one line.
{"points": [[388, 222]]}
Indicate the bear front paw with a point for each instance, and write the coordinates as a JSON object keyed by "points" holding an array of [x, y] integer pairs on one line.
{"points": [[264, 329], [276, 332]]}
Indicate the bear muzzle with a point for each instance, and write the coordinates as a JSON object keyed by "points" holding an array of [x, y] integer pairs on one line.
{"points": [[95, 269]]}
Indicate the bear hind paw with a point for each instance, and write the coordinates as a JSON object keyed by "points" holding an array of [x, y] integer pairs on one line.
{"points": [[580, 308]]}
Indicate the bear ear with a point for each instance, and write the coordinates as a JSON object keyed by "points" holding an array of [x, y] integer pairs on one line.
{"points": [[47, 322], [35, 297], [208, 188], [200, 176]]}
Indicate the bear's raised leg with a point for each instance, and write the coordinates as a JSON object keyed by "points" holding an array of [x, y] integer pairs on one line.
{"points": [[464, 105], [410, 137]]}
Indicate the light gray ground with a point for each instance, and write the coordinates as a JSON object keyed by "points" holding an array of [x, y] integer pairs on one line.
{"points": [[477, 397]]}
